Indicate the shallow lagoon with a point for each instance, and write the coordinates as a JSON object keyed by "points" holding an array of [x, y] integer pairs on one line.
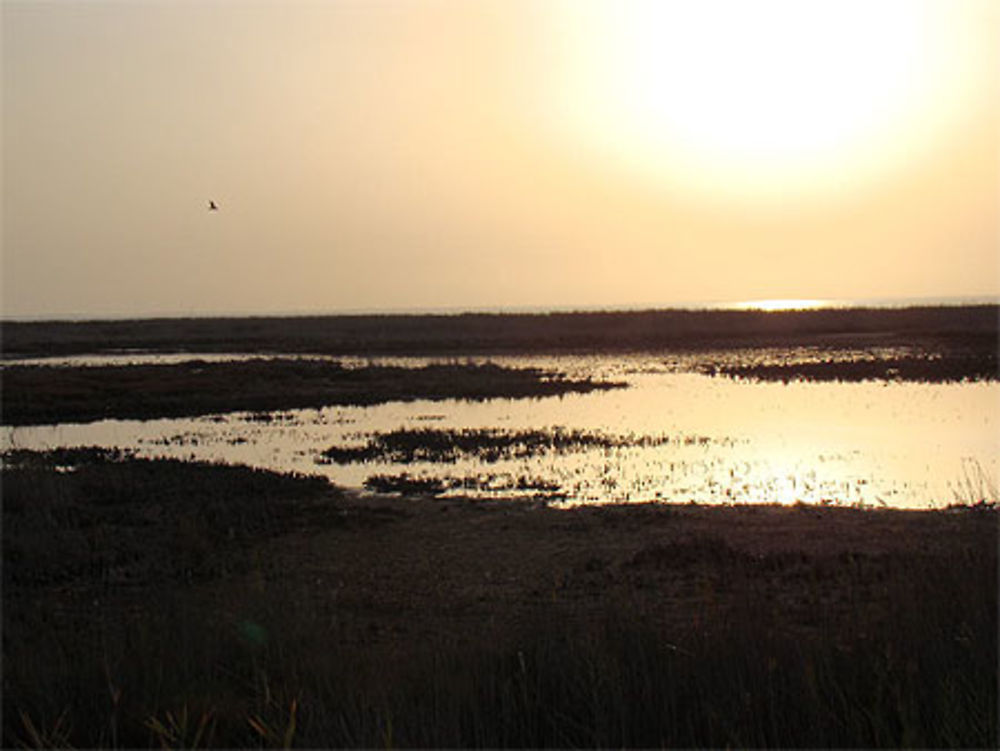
{"points": [[675, 434]]}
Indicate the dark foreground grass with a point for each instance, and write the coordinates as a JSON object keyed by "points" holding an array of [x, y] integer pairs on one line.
{"points": [[313, 620]]}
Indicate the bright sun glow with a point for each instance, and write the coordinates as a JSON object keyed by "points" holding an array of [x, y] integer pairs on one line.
{"points": [[758, 99], [780, 304]]}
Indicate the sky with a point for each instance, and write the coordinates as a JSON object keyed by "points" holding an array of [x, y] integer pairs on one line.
{"points": [[388, 155]]}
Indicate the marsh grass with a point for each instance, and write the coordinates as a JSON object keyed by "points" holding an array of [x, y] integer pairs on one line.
{"points": [[38, 395], [97, 515], [976, 488], [874, 650], [743, 681], [539, 489], [944, 328], [405, 446], [936, 368]]}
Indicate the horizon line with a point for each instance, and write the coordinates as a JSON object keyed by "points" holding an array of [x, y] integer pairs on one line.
{"points": [[746, 305]]}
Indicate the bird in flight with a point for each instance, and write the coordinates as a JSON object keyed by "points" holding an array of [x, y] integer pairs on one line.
{"points": [[213, 206]]}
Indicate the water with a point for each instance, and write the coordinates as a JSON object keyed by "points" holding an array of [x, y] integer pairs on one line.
{"points": [[679, 435]]}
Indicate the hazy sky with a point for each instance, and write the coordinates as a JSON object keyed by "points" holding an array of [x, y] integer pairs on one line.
{"points": [[391, 154]]}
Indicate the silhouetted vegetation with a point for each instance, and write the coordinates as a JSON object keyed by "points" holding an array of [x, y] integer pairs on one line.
{"points": [[405, 446], [405, 484], [936, 369], [934, 329], [79, 514], [35, 395], [541, 490], [162, 604]]}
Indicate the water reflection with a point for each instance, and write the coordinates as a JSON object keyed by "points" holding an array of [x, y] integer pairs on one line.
{"points": [[674, 435]]}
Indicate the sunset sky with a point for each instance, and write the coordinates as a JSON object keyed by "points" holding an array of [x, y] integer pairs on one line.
{"points": [[399, 155]]}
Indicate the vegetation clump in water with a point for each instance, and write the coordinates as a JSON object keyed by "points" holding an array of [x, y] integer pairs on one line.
{"points": [[406, 446], [406, 484], [928, 369]]}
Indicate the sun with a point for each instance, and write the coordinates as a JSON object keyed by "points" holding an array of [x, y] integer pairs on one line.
{"points": [[762, 98]]}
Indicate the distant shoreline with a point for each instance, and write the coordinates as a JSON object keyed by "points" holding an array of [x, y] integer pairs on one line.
{"points": [[916, 344], [695, 306], [930, 329]]}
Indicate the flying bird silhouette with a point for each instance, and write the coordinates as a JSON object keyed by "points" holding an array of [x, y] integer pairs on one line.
{"points": [[213, 206]]}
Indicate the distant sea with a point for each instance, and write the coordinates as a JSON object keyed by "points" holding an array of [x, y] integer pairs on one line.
{"points": [[749, 304]]}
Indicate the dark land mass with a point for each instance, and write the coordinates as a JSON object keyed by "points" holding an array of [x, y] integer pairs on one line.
{"points": [[933, 329], [158, 603], [35, 395]]}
